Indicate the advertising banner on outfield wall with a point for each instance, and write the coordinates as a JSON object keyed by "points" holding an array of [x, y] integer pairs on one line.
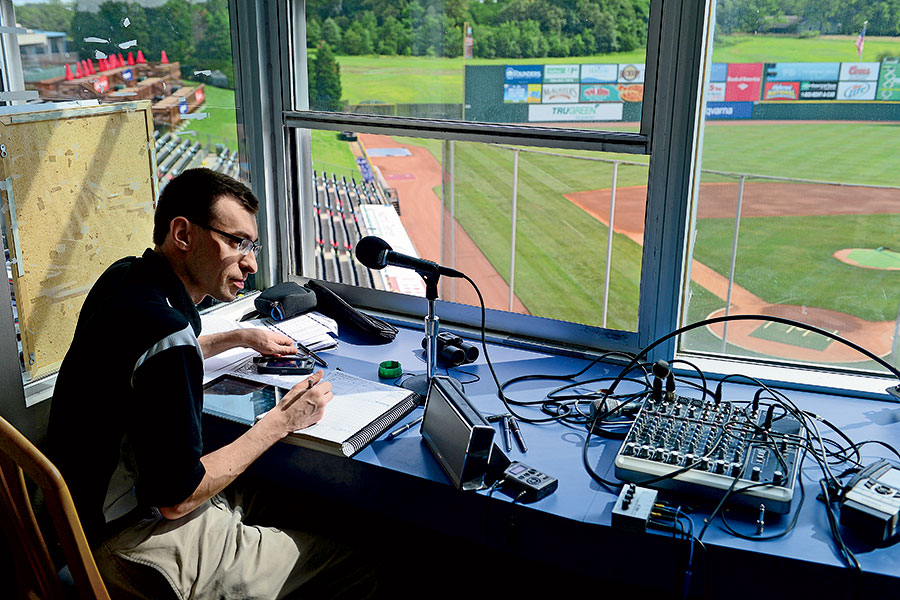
{"points": [[523, 73], [718, 72], [557, 92], [613, 92], [818, 90], [802, 71], [607, 111], [859, 71], [889, 80], [729, 110], [599, 73], [522, 92], [630, 73], [856, 90], [561, 73], [743, 82], [715, 91], [603, 92], [782, 90]]}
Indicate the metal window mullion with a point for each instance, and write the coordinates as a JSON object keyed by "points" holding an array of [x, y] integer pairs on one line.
{"points": [[673, 150], [260, 59], [489, 133]]}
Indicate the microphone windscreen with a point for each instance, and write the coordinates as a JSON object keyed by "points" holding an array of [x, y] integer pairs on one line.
{"points": [[372, 251]]}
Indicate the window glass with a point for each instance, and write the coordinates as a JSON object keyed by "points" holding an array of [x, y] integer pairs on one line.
{"points": [[530, 225], [540, 62], [798, 204], [174, 54], [554, 251]]}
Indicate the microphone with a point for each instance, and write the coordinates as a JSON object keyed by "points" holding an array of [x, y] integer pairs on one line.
{"points": [[375, 253]]}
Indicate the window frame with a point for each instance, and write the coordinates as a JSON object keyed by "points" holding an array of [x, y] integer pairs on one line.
{"points": [[274, 99]]}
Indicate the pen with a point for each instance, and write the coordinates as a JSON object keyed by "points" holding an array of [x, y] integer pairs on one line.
{"points": [[409, 425], [314, 356], [518, 433], [506, 433]]}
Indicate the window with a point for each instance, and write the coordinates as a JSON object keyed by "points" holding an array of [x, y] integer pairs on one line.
{"points": [[525, 150], [797, 203], [177, 57]]}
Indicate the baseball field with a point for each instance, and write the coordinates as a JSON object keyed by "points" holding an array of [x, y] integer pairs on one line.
{"points": [[788, 236], [794, 238]]}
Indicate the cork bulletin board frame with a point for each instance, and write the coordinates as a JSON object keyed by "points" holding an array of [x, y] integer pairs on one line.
{"points": [[78, 190]]}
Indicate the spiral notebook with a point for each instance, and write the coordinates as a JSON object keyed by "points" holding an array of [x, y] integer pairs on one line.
{"points": [[360, 411]]}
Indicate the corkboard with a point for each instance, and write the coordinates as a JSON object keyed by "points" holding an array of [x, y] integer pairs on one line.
{"points": [[78, 188]]}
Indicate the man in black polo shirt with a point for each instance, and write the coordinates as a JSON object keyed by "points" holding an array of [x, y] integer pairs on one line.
{"points": [[125, 418]]}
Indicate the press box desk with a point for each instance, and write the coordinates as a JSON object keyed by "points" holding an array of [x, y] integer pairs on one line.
{"points": [[570, 529]]}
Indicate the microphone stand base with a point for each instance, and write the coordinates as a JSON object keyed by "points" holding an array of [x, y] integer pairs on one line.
{"points": [[420, 383]]}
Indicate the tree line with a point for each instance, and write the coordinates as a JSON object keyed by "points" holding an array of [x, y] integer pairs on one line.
{"points": [[506, 28], [837, 17]]}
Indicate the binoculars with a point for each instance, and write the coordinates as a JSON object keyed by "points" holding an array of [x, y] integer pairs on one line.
{"points": [[452, 350]]}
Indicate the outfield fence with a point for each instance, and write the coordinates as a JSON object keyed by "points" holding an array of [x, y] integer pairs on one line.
{"points": [[740, 178]]}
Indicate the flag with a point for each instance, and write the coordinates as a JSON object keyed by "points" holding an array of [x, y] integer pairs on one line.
{"points": [[861, 41]]}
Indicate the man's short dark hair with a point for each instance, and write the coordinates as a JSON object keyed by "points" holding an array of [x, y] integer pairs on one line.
{"points": [[193, 195]]}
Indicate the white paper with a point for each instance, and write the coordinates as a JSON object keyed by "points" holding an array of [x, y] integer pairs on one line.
{"points": [[356, 402]]}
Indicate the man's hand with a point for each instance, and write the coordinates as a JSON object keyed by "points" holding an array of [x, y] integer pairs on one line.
{"points": [[303, 406], [263, 341], [268, 342]]}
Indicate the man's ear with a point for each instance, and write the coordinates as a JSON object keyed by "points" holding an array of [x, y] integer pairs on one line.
{"points": [[180, 230]]}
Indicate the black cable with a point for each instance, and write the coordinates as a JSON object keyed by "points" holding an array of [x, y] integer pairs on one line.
{"points": [[773, 319], [782, 533], [842, 548], [490, 364], [476, 376]]}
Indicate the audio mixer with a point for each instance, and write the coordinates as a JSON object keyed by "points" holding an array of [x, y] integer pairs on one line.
{"points": [[706, 447]]}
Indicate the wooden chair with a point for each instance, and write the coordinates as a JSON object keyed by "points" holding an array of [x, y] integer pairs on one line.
{"points": [[36, 574]]}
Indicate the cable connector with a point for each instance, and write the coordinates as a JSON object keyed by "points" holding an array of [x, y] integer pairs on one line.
{"points": [[894, 391]]}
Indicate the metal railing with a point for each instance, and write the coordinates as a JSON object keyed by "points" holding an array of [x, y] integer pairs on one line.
{"points": [[741, 179]]}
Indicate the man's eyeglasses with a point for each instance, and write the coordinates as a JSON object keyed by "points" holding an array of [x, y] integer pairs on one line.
{"points": [[245, 246]]}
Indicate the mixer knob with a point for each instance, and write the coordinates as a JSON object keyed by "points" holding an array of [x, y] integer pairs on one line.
{"points": [[755, 474]]}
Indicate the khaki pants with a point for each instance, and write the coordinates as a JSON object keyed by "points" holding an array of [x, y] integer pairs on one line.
{"points": [[213, 554]]}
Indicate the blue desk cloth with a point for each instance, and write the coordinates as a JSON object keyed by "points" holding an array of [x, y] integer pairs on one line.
{"points": [[400, 478]]}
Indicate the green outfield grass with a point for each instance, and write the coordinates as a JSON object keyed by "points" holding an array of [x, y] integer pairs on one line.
{"points": [[554, 278], [331, 155], [788, 260], [836, 152], [560, 250], [221, 126]]}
